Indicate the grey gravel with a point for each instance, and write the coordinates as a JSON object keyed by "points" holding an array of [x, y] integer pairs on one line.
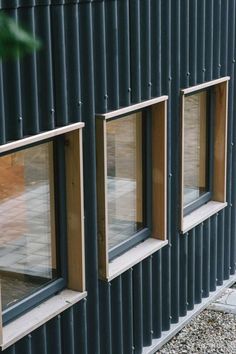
{"points": [[209, 333]]}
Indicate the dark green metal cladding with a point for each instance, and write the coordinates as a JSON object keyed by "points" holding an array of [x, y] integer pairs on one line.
{"points": [[99, 56]]}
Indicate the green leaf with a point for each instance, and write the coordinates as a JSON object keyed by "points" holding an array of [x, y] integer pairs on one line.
{"points": [[14, 40]]}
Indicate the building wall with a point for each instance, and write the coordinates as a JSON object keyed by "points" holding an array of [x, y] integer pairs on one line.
{"points": [[99, 56]]}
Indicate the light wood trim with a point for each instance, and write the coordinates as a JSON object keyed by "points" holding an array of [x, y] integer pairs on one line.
{"points": [[39, 315], [75, 210], [220, 142], [52, 205], [182, 164], [220, 156], [101, 155], [131, 109], [40, 137], [199, 215], [133, 256], [203, 131], [139, 169], [205, 85], [159, 170]]}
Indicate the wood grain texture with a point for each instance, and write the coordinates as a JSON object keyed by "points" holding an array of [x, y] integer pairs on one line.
{"points": [[75, 210], [132, 108], [220, 142], [205, 85], [40, 137], [101, 155], [159, 170]]}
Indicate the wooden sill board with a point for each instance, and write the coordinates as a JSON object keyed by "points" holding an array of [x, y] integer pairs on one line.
{"points": [[35, 318], [199, 215], [133, 256]]}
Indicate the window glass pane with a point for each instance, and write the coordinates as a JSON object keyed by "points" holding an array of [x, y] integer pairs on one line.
{"points": [[195, 147], [27, 222], [125, 179]]}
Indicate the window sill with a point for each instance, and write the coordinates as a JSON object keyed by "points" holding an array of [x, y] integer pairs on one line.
{"points": [[133, 256], [35, 318], [199, 215]]}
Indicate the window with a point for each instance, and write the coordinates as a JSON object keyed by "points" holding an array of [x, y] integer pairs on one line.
{"points": [[32, 257], [41, 218], [131, 184], [204, 121]]}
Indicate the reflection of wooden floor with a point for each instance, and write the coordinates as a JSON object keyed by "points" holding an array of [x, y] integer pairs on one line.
{"points": [[25, 241]]}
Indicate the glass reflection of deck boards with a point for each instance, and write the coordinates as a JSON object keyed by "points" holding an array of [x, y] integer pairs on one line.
{"points": [[27, 222], [195, 147], [124, 177]]}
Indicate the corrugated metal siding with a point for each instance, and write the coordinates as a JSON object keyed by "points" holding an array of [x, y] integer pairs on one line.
{"points": [[98, 56]]}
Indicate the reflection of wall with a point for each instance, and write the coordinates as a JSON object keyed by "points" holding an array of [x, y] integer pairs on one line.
{"points": [[195, 140], [121, 147]]}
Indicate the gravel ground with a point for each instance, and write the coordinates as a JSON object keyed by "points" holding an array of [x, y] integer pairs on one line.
{"points": [[209, 333]]}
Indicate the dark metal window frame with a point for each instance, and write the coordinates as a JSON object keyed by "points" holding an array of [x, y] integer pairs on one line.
{"points": [[147, 187], [55, 285], [207, 196]]}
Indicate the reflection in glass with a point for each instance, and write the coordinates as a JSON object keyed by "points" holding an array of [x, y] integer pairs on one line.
{"points": [[27, 222], [195, 147], [124, 177]]}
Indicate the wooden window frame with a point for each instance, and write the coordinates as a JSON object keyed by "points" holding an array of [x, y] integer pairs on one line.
{"points": [[75, 287], [218, 201], [158, 234]]}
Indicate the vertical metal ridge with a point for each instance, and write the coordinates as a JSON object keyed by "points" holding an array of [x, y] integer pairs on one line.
{"points": [[105, 318], [183, 276], [206, 258], [224, 71], [11, 84], [147, 302], [59, 64], [72, 59], [29, 87], [44, 70], [135, 50], [67, 331], [145, 45], [175, 87], [193, 41], [184, 82], [157, 294], [117, 316], [191, 269], [124, 53], [80, 327], [90, 200], [127, 315], [138, 308], [213, 259], [156, 48], [198, 263], [201, 35], [39, 341], [217, 39], [54, 344], [112, 54], [209, 33], [100, 63], [220, 248], [231, 72], [166, 87]]}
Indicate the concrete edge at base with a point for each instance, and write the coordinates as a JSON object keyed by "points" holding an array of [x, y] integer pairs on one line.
{"points": [[175, 328]]}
